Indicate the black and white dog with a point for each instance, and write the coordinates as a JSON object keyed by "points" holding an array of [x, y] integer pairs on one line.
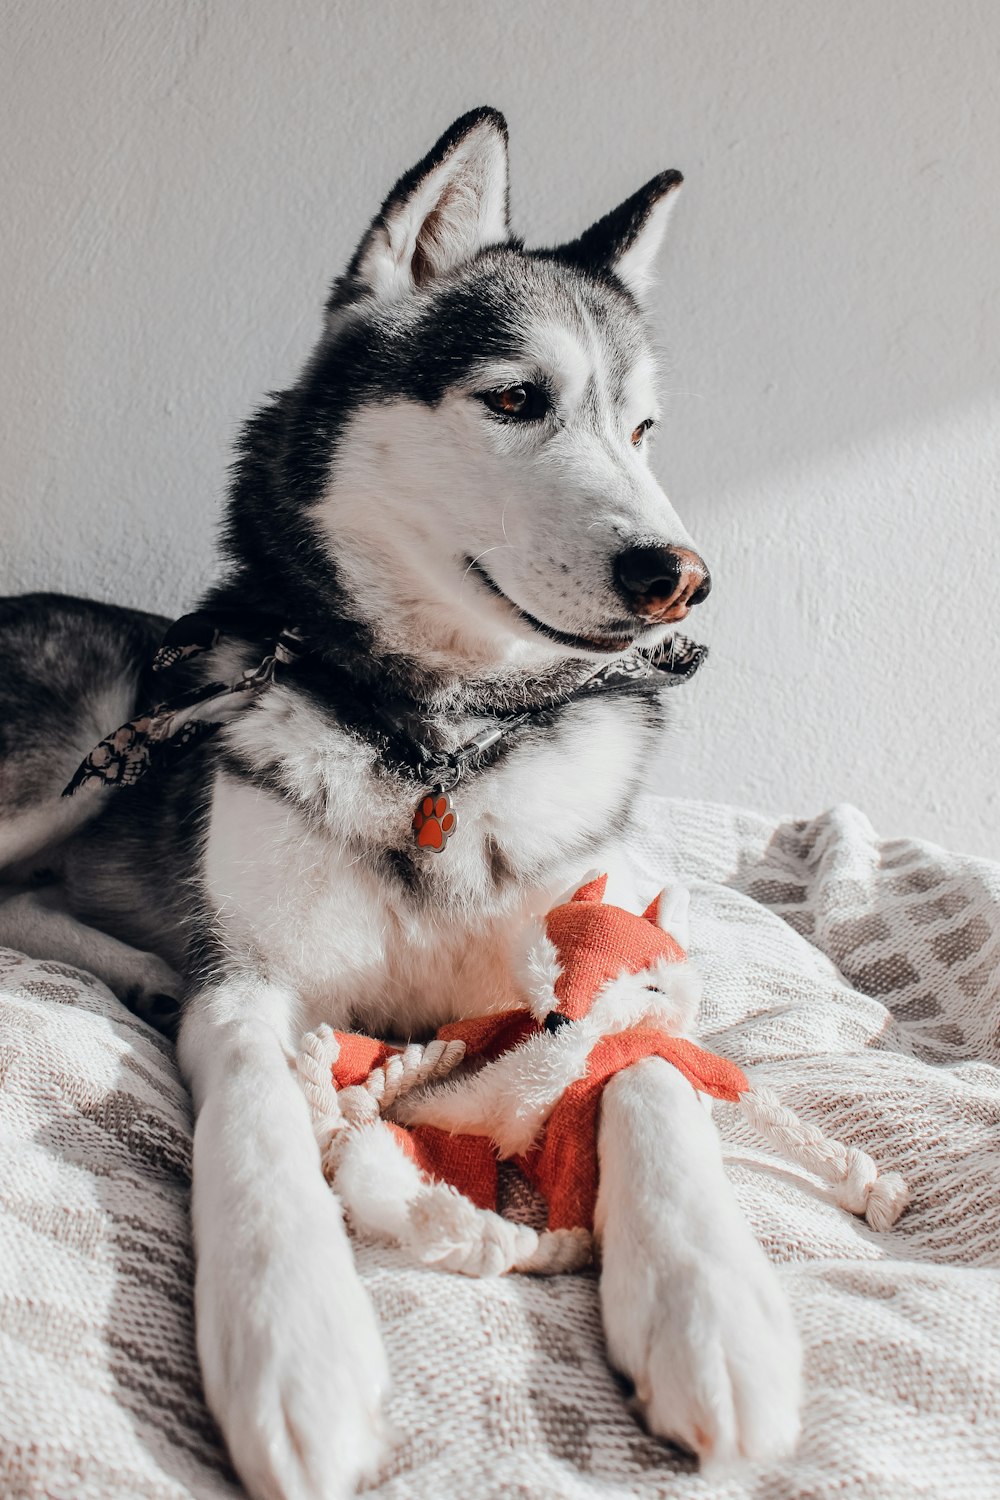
{"points": [[452, 520]]}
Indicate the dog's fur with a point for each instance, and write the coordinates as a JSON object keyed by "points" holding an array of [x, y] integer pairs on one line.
{"points": [[455, 565]]}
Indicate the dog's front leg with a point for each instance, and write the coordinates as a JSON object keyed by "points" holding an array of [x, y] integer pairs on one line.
{"points": [[693, 1311], [290, 1351]]}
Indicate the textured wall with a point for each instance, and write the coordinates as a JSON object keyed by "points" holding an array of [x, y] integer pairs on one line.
{"points": [[181, 180]]}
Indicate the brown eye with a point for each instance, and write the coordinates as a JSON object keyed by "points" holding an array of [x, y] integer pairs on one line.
{"points": [[510, 402], [521, 403], [640, 431]]}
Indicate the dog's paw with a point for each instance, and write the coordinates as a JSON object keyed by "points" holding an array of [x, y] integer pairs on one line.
{"points": [[294, 1367], [434, 822], [148, 986], [710, 1345], [694, 1312]]}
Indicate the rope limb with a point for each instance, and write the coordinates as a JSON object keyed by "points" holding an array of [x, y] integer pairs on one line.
{"points": [[449, 1232], [314, 1065], [332, 1110], [857, 1184], [416, 1065]]}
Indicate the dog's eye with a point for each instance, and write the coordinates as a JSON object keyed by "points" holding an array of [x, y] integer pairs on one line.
{"points": [[521, 403], [640, 431]]}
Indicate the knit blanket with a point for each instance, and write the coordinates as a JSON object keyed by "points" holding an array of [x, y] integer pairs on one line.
{"points": [[859, 978]]}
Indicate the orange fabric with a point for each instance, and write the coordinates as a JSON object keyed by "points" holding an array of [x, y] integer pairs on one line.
{"points": [[484, 1036], [488, 1036], [564, 1165], [467, 1162], [358, 1056]]}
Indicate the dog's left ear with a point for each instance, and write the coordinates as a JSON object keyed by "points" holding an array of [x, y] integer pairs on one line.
{"points": [[626, 241], [440, 214]]}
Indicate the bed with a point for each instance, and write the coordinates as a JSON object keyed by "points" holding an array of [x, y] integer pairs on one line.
{"points": [[858, 977]]}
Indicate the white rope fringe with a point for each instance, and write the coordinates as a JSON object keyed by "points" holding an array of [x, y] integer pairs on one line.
{"points": [[414, 1066], [857, 1184]]}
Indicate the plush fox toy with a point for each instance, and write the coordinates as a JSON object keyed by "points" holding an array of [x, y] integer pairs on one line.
{"points": [[604, 989]]}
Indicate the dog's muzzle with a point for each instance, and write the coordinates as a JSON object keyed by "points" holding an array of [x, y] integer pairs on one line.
{"points": [[660, 584]]}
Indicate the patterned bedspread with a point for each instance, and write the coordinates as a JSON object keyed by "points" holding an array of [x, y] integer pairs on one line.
{"points": [[857, 977]]}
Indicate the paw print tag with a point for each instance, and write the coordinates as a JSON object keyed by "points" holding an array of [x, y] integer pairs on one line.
{"points": [[434, 821]]}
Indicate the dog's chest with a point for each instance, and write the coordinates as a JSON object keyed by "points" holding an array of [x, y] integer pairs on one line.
{"points": [[324, 879]]}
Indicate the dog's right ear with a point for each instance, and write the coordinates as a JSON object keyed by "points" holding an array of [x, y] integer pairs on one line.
{"points": [[439, 215], [626, 241]]}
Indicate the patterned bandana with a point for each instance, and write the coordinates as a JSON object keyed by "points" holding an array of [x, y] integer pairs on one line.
{"points": [[163, 734]]}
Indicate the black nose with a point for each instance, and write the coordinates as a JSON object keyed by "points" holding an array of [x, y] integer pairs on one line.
{"points": [[661, 583]]}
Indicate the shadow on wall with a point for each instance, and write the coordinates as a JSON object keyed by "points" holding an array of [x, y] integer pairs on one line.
{"points": [[854, 653]]}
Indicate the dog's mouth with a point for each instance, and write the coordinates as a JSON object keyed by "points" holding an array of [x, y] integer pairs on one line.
{"points": [[610, 644]]}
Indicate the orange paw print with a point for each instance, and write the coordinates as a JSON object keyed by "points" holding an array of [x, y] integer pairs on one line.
{"points": [[434, 822]]}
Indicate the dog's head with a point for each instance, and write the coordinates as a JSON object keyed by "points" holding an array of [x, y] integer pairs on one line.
{"points": [[468, 444]]}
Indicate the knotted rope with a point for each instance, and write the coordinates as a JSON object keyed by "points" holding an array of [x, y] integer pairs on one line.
{"points": [[857, 1184], [314, 1065], [455, 1235], [332, 1109]]}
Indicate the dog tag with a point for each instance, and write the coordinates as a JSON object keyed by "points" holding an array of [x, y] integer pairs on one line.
{"points": [[434, 820]]}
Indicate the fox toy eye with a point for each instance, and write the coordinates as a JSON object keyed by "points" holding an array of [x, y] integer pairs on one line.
{"points": [[640, 432], [520, 403]]}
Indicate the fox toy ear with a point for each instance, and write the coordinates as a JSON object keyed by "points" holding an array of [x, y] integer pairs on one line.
{"points": [[593, 890], [627, 240], [440, 214], [670, 911]]}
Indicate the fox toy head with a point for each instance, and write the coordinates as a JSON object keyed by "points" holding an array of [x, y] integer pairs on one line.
{"points": [[595, 943]]}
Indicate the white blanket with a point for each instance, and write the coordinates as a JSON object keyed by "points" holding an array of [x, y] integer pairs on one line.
{"points": [[859, 978]]}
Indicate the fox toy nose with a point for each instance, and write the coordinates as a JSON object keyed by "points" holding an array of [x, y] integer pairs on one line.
{"points": [[661, 583]]}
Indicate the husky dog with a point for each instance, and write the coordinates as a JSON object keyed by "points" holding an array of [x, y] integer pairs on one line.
{"points": [[452, 509]]}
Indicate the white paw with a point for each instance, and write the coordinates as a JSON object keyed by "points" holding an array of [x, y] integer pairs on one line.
{"points": [[693, 1310], [292, 1359], [709, 1341]]}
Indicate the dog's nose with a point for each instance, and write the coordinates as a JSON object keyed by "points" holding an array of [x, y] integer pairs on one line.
{"points": [[661, 583]]}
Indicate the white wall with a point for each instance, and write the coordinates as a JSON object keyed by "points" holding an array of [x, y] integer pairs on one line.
{"points": [[179, 182]]}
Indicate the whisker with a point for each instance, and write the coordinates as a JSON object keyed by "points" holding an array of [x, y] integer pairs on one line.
{"points": [[474, 560]]}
